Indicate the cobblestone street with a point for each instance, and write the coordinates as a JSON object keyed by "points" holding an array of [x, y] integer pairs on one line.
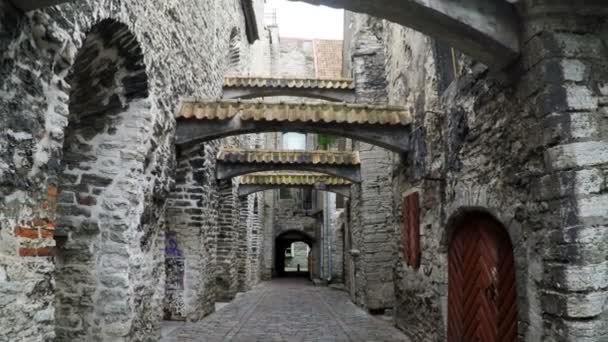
{"points": [[287, 310]]}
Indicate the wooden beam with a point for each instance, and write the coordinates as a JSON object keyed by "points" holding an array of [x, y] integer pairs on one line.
{"points": [[393, 137], [248, 189]]}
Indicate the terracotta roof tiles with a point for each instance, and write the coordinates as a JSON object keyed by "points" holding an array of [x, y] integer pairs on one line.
{"points": [[302, 112], [286, 82], [292, 179], [232, 155]]}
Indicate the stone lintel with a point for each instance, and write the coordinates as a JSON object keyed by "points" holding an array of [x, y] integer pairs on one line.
{"points": [[248, 189], [486, 30], [229, 170], [392, 137]]}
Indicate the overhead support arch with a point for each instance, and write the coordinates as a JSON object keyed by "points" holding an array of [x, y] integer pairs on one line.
{"points": [[336, 90], [30, 5], [486, 30], [295, 235], [272, 181], [236, 162], [387, 127], [246, 190]]}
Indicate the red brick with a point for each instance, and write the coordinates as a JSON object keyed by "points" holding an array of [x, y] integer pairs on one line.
{"points": [[46, 251], [28, 252], [42, 223], [47, 233], [27, 233], [34, 252], [52, 191]]}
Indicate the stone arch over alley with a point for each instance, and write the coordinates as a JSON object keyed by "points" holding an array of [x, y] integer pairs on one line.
{"points": [[284, 241], [238, 162], [387, 127], [151, 175]]}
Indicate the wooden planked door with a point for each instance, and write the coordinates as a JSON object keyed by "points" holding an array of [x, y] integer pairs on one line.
{"points": [[482, 299]]}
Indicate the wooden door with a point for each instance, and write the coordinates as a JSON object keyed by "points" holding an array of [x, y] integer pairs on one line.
{"points": [[481, 284]]}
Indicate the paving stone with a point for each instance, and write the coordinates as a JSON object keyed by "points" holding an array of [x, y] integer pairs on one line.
{"points": [[288, 310]]}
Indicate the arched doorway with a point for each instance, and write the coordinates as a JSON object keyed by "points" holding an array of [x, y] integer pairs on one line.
{"points": [[482, 299], [293, 249]]}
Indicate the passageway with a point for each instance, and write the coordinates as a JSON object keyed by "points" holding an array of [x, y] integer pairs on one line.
{"points": [[292, 254], [287, 310]]}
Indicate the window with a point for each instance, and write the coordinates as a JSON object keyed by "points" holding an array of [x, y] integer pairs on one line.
{"points": [[294, 141]]}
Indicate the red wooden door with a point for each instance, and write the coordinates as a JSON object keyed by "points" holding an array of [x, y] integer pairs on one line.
{"points": [[481, 285]]}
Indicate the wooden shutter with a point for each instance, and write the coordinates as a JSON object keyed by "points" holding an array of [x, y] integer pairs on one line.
{"points": [[410, 231]]}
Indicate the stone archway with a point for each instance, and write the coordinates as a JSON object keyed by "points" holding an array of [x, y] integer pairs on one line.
{"points": [[108, 216], [388, 127], [283, 241], [233, 162]]}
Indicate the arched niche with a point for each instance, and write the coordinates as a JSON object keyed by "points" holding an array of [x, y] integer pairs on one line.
{"points": [[102, 214]]}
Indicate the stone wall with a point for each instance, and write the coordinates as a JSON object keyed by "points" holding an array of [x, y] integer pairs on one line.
{"points": [[336, 243], [214, 231], [103, 77], [295, 58], [235, 239], [530, 153], [255, 236], [227, 242], [371, 225], [192, 217]]}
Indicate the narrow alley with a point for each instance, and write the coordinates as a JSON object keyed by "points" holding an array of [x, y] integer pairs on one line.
{"points": [[431, 170], [286, 310]]}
